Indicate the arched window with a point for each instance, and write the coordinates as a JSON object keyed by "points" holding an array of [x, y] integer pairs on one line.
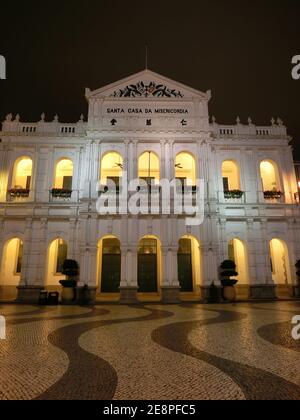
{"points": [[185, 169], [237, 253], [269, 176], [111, 169], [231, 176], [64, 175], [149, 168], [22, 174], [57, 254], [280, 266], [109, 266], [12, 262]]}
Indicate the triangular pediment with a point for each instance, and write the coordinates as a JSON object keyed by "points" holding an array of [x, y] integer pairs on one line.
{"points": [[147, 84]]}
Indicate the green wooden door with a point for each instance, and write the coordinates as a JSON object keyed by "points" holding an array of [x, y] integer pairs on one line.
{"points": [[147, 266], [111, 266], [185, 266]]}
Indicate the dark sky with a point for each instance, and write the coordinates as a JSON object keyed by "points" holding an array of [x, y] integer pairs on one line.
{"points": [[241, 50]]}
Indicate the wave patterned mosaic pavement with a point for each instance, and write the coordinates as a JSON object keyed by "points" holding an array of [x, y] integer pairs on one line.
{"points": [[153, 352]]}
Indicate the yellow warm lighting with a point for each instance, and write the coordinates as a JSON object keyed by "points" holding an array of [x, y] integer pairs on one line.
{"points": [[280, 262], [269, 176], [240, 258], [149, 166], [185, 168], [111, 167], [230, 170], [22, 173], [64, 168]]}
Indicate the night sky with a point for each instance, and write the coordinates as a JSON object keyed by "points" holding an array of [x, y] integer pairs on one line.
{"points": [[241, 50]]}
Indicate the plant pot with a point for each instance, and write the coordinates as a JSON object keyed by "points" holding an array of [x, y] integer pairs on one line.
{"points": [[67, 295], [229, 293]]}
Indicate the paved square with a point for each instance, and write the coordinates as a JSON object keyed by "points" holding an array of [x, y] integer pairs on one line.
{"points": [[186, 351]]}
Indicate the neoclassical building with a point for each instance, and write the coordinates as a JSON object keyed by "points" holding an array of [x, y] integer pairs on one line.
{"points": [[52, 175]]}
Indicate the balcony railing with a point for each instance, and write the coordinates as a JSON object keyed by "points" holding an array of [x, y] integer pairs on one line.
{"points": [[19, 193], [61, 193], [233, 194], [273, 195]]}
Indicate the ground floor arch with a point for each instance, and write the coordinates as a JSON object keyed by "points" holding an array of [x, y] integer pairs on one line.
{"points": [[280, 264], [237, 252], [109, 264], [189, 264], [149, 264], [57, 254], [11, 264]]}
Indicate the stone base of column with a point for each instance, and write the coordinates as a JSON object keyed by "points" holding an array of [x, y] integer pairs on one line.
{"points": [[86, 295], [211, 294], [296, 290], [128, 295], [263, 291], [170, 294], [29, 294]]}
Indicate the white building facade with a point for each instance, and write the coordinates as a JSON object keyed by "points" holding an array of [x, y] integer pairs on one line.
{"points": [[151, 128]]}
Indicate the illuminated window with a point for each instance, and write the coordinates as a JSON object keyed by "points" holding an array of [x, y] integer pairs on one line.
{"points": [[185, 169], [231, 176], [64, 175], [111, 168], [149, 167], [22, 174], [269, 176]]}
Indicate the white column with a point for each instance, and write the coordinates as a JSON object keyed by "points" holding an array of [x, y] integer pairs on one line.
{"points": [[251, 252]]}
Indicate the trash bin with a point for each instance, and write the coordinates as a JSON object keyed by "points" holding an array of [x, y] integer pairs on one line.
{"points": [[53, 298]]}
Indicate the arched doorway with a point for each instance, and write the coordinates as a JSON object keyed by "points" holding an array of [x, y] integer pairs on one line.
{"points": [[189, 264], [269, 176], [22, 175], [237, 253], [109, 258], [63, 179], [185, 169], [57, 254], [280, 266], [111, 169], [11, 263], [230, 176], [149, 263], [149, 168]]}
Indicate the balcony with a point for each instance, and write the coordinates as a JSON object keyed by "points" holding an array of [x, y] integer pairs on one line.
{"points": [[273, 195], [61, 193], [18, 193]]}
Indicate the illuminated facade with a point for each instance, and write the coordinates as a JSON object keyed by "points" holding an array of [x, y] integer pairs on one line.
{"points": [[152, 128]]}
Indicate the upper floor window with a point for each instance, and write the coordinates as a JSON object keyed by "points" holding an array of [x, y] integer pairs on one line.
{"points": [[22, 174], [149, 169], [64, 175], [21, 179], [111, 169], [185, 169], [231, 176], [270, 180], [231, 179]]}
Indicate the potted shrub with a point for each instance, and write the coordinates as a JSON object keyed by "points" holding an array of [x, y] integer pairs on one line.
{"points": [[71, 271], [228, 270]]}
